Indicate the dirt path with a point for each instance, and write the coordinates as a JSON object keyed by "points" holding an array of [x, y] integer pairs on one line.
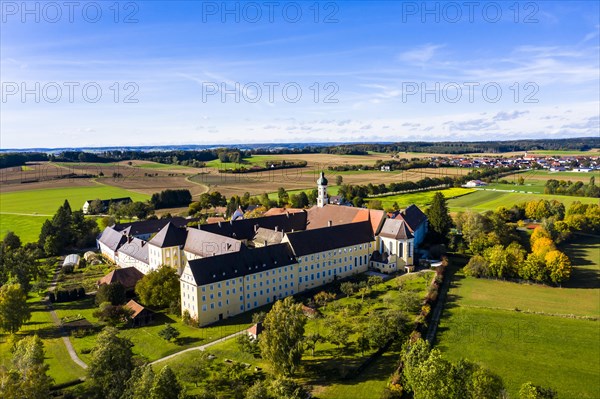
{"points": [[63, 332], [200, 348]]}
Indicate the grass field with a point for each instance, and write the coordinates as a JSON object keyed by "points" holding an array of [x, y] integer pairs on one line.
{"points": [[522, 332], [422, 198], [24, 212], [62, 368], [483, 200]]}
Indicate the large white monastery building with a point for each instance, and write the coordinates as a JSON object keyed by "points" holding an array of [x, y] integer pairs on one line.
{"points": [[227, 268]]}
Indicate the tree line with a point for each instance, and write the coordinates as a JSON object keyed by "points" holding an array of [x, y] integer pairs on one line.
{"points": [[577, 188]]}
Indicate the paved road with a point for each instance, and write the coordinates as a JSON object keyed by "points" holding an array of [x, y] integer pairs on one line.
{"points": [[63, 332], [199, 348]]}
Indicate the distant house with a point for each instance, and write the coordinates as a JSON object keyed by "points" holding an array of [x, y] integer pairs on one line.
{"points": [[140, 316], [475, 183], [128, 277], [385, 168], [105, 203]]}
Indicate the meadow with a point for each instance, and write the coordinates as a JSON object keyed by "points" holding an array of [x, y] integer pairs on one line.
{"points": [[62, 368], [24, 212], [483, 200], [322, 371], [421, 198], [526, 332]]}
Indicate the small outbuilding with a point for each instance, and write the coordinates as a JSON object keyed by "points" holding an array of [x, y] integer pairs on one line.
{"points": [[71, 261], [140, 316], [255, 330], [128, 277]]}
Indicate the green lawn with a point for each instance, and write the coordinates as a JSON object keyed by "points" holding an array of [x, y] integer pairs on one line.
{"points": [[483, 200], [62, 368], [492, 322], [321, 371], [147, 342], [24, 212], [421, 198]]}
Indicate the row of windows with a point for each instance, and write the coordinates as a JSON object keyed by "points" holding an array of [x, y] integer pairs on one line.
{"points": [[249, 305], [333, 253]]}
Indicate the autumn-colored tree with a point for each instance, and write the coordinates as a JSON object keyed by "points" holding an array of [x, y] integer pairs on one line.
{"points": [[542, 246], [558, 265]]}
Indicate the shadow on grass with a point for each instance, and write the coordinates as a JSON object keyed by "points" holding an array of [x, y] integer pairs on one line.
{"points": [[584, 254]]}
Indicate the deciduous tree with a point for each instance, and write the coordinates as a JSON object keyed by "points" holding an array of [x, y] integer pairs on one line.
{"points": [[14, 311], [281, 341], [159, 288], [111, 364]]}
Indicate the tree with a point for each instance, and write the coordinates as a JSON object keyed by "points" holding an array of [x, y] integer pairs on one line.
{"points": [[485, 384], [323, 297], [311, 340], [169, 333], [286, 388], [348, 288], [258, 391], [339, 180], [111, 364], [96, 207], [558, 265], [20, 264], [439, 218], [113, 315], [281, 340], [28, 378], [14, 311], [542, 246], [166, 385], [339, 333], [140, 383], [413, 354], [113, 293], [159, 288], [363, 343], [11, 240], [531, 391]]}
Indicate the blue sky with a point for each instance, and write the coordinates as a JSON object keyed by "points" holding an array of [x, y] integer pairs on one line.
{"points": [[203, 72]]}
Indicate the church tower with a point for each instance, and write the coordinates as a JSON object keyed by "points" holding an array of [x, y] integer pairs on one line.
{"points": [[322, 198]]}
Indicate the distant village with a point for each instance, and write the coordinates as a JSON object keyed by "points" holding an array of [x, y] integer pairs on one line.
{"points": [[575, 163]]}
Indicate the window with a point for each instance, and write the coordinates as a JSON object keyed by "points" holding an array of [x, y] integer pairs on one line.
{"points": [[212, 296], [212, 305], [220, 304], [219, 294], [204, 308], [241, 298], [203, 298]]}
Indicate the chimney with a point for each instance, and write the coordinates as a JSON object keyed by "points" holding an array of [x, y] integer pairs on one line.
{"points": [[129, 238], [329, 223], [256, 228], [219, 222], [276, 228], [266, 243]]}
